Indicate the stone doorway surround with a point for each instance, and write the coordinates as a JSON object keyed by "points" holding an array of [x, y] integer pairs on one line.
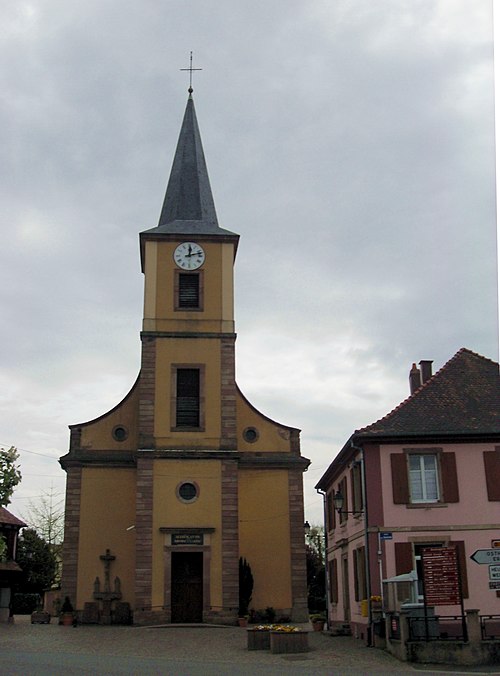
{"points": [[186, 540]]}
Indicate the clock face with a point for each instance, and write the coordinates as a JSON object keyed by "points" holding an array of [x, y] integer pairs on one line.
{"points": [[189, 256]]}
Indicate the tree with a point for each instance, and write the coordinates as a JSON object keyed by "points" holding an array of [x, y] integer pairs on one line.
{"points": [[10, 474], [38, 563], [316, 540], [245, 586], [46, 516], [315, 560]]}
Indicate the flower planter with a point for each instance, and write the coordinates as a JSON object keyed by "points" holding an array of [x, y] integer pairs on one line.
{"points": [[258, 639], [40, 617], [67, 619], [289, 642]]}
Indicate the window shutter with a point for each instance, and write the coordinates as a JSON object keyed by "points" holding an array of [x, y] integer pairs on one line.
{"points": [[189, 290], [343, 489], [449, 480], [492, 471], [330, 511], [334, 586], [403, 552], [400, 488], [462, 565], [355, 574], [188, 398]]}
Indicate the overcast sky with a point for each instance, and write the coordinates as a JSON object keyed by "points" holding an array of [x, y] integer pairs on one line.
{"points": [[349, 142]]}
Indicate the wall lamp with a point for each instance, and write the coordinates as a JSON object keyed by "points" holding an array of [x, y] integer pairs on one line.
{"points": [[338, 503]]}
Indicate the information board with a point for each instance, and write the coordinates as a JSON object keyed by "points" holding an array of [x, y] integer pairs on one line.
{"points": [[441, 576]]}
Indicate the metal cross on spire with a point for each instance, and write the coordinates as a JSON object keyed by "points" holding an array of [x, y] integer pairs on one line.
{"points": [[190, 69]]}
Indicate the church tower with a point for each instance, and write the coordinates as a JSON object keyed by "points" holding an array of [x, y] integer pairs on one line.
{"points": [[168, 490]]}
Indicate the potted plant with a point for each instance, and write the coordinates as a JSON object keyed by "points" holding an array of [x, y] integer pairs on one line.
{"points": [[245, 591], [40, 616], [318, 621], [67, 613]]}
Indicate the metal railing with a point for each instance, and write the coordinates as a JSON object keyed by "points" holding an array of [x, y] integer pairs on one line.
{"points": [[437, 628], [490, 627]]}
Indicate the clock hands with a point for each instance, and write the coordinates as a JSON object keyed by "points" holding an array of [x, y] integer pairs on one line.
{"points": [[192, 253]]}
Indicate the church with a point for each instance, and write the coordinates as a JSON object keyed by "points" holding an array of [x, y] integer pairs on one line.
{"points": [[171, 487]]}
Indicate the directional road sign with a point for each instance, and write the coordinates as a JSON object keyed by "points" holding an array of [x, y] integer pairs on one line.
{"points": [[495, 572], [488, 556]]}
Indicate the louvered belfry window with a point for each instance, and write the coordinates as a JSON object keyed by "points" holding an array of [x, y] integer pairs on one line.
{"points": [[188, 398], [189, 290]]}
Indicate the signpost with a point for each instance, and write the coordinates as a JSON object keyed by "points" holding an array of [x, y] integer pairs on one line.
{"points": [[494, 572], [441, 578], [488, 556], [441, 581]]}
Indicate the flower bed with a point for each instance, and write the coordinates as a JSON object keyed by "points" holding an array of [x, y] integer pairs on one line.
{"points": [[285, 639], [259, 638]]}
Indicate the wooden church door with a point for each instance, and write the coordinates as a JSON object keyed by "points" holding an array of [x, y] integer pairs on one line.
{"points": [[187, 587]]}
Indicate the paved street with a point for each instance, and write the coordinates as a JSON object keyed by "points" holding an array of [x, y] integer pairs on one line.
{"points": [[44, 650]]}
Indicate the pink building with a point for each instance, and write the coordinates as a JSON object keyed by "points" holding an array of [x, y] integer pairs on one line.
{"points": [[426, 475]]}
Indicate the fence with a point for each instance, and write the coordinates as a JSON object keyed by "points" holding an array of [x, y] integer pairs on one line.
{"points": [[490, 627], [437, 628]]}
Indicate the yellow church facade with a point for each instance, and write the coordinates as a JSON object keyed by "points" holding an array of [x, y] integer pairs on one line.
{"points": [[170, 488]]}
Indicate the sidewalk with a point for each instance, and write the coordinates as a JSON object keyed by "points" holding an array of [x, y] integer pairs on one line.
{"points": [[200, 645]]}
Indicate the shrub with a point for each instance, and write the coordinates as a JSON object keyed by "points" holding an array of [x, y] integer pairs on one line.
{"points": [[25, 604]]}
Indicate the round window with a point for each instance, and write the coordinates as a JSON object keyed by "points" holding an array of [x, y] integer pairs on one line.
{"points": [[120, 433], [187, 491], [250, 435]]}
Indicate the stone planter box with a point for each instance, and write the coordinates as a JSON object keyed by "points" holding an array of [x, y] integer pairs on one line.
{"points": [[40, 617], [289, 642], [258, 640]]}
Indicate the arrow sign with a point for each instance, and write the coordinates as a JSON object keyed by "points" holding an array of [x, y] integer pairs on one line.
{"points": [[486, 556]]}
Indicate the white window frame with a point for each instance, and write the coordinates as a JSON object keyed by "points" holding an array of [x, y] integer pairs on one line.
{"points": [[422, 471]]}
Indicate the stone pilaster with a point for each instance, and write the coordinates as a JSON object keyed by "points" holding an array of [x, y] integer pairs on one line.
{"points": [[71, 533], [147, 392], [144, 537], [230, 538], [297, 546], [228, 394]]}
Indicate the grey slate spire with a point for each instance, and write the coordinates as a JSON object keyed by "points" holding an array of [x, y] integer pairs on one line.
{"points": [[189, 207]]}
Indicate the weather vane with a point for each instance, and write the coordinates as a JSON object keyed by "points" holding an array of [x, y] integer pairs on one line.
{"points": [[190, 69]]}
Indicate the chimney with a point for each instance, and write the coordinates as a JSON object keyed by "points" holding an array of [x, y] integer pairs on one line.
{"points": [[425, 369], [415, 381]]}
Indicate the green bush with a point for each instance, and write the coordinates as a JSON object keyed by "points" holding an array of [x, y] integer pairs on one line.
{"points": [[25, 604]]}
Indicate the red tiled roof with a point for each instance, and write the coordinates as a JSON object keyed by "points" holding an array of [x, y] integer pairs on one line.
{"points": [[462, 398], [7, 518]]}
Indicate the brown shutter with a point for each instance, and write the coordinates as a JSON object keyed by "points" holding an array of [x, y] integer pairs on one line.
{"points": [[462, 565], [449, 480], [355, 573], [492, 471], [403, 552], [334, 585], [400, 488]]}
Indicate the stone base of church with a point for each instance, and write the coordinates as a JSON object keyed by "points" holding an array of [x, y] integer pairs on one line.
{"points": [[300, 613], [157, 617], [144, 618]]}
